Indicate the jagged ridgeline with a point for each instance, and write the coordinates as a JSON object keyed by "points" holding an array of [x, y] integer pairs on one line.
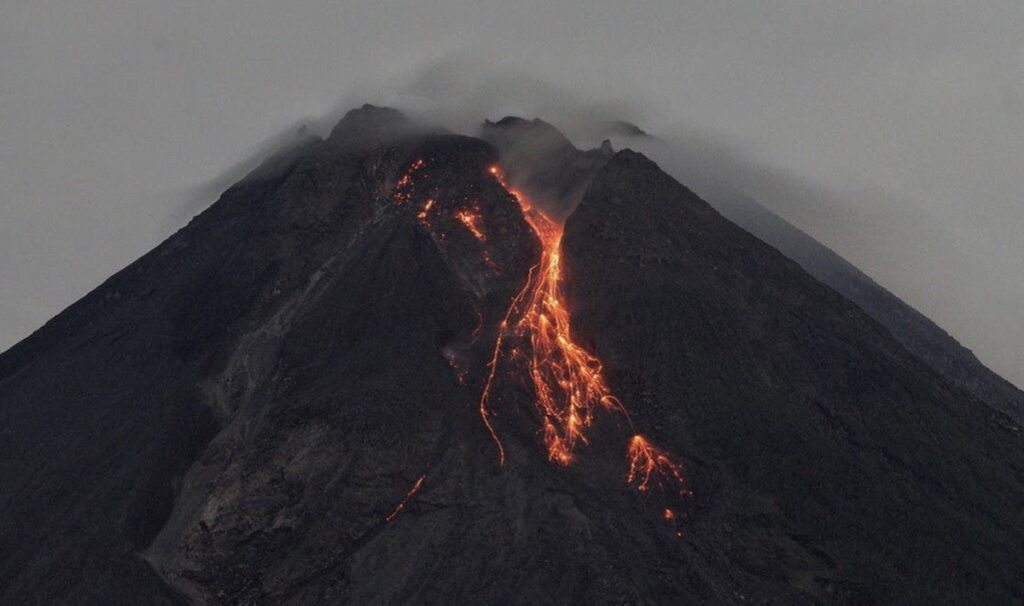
{"points": [[403, 366]]}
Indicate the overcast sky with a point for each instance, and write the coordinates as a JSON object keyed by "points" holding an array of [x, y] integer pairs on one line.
{"points": [[116, 117]]}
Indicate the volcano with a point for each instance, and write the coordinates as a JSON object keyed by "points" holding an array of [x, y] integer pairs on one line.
{"points": [[398, 365]]}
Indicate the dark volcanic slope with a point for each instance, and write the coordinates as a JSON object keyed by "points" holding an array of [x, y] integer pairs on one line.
{"points": [[824, 454], [543, 163], [919, 334], [301, 320], [240, 416]]}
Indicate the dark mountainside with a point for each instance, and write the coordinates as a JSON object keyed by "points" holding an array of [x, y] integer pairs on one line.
{"points": [[915, 331], [280, 405], [542, 162]]}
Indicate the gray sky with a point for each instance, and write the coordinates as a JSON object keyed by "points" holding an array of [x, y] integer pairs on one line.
{"points": [[117, 118]]}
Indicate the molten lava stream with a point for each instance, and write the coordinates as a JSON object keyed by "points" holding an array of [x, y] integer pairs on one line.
{"points": [[567, 380]]}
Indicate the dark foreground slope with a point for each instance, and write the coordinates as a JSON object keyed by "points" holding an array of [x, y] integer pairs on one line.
{"points": [[824, 455], [279, 405], [916, 332]]}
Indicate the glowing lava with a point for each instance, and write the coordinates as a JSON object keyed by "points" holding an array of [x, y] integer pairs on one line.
{"points": [[471, 219], [568, 382], [648, 465], [567, 379], [535, 343], [403, 187], [425, 211], [412, 492]]}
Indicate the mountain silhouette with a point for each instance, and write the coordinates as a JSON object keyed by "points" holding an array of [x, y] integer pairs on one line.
{"points": [[380, 369]]}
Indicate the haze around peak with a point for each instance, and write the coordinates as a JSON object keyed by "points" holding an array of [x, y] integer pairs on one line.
{"points": [[892, 133]]}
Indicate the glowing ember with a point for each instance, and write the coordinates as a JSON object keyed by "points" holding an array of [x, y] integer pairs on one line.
{"points": [[567, 380], [429, 204], [471, 219], [649, 464], [403, 187], [412, 492], [493, 365]]}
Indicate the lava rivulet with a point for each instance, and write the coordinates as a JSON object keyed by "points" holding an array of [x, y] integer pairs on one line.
{"points": [[425, 211], [567, 380], [403, 188], [649, 465], [471, 219], [409, 495]]}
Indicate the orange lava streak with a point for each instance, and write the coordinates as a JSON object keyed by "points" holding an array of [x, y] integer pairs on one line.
{"points": [[648, 463], [568, 383], [471, 219], [567, 379], [402, 193], [495, 358], [422, 215], [412, 492]]}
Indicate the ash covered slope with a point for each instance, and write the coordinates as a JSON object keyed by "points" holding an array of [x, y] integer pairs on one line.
{"points": [[823, 454], [919, 334]]}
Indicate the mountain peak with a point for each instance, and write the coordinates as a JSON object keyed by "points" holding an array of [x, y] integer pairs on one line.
{"points": [[624, 128], [535, 124], [543, 162], [629, 158], [369, 123]]}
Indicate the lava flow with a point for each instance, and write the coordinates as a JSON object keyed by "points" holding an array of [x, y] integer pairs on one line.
{"points": [[471, 219], [412, 492], [567, 380], [649, 464], [535, 343]]}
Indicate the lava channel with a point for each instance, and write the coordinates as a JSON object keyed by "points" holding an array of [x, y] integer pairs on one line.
{"points": [[568, 382], [535, 343]]}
